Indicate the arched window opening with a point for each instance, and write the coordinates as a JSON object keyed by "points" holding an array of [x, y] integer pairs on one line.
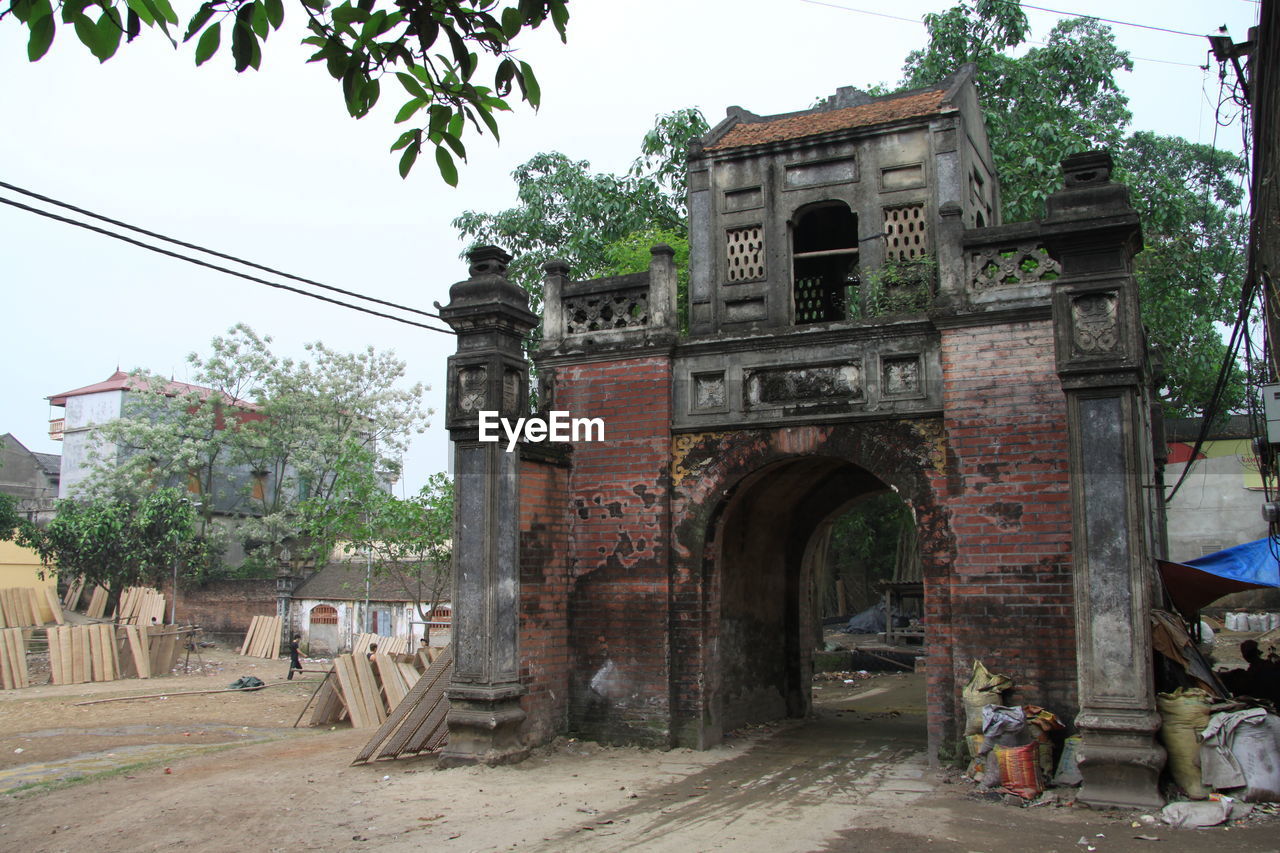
{"points": [[824, 253]]}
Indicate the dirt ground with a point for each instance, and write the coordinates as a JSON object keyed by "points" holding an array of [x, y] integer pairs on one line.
{"points": [[228, 772]]}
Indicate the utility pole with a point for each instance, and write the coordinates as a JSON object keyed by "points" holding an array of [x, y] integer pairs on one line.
{"points": [[1264, 102]]}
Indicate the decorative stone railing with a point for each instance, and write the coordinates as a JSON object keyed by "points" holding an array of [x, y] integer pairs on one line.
{"points": [[619, 310], [1008, 261]]}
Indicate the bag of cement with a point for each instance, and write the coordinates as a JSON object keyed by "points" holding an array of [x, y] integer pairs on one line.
{"points": [[1069, 764], [1040, 722], [984, 688], [1241, 754], [1185, 714], [1019, 770], [1002, 727], [977, 757], [1207, 813]]}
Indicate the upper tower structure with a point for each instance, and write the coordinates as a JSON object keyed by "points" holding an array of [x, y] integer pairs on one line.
{"points": [[789, 214]]}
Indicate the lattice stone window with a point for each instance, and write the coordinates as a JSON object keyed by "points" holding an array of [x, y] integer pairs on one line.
{"points": [[744, 253], [904, 228]]}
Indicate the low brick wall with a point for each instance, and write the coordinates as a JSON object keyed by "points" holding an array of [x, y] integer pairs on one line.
{"points": [[225, 608]]}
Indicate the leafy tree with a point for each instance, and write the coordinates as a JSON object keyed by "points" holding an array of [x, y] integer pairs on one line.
{"points": [[589, 219], [269, 435], [1062, 98], [10, 519], [117, 542], [863, 548], [434, 47], [409, 540]]}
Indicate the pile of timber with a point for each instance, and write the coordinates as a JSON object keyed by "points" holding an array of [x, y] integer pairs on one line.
{"points": [[25, 607], [13, 659], [417, 724], [139, 605], [401, 644], [364, 690], [263, 638], [78, 654], [97, 608], [75, 589]]}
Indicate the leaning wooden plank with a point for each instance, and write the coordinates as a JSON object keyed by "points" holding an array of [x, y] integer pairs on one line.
{"points": [[168, 653], [76, 643], [329, 702], [34, 598], [393, 686], [55, 606], [424, 727], [6, 661], [93, 662], [55, 655], [138, 651], [369, 689], [351, 691], [276, 638], [111, 646], [244, 647], [411, 713]]}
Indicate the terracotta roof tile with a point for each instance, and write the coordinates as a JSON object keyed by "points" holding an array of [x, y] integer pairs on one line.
{"points": [[812, 124]]}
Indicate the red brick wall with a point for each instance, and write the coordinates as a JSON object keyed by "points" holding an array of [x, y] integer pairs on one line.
{"points": [[544, 588], [1008, 598], [618, 601], [227, 607]]}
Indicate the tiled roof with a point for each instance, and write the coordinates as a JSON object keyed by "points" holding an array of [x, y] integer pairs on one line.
{"points": [[121, 381], [882, 111], [50, 463]]}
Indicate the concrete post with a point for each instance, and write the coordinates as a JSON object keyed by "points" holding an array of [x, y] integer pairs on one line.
{"points": [[662, 289], [489, 373], [555, 275], [1101, 359]]}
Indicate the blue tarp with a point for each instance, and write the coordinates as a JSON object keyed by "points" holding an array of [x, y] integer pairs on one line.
{"points": [[1252, 562], [1202, 581]]}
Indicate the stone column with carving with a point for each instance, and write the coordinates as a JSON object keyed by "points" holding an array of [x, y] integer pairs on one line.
{"points": [[1101, 359], [488, 373]]}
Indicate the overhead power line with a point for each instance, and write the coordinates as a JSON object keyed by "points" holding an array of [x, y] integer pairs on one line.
{"points": [[214, 253], [107, 233]]}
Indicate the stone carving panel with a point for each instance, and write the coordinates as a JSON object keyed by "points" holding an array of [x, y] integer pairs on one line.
{"points": [[811, 385], [1023, 264], [600, 312], [900, 376], [1095, 324], [471, 388], [709, 391]]}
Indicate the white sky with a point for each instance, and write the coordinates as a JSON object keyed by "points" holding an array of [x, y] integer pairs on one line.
{"points": [[268, 166]]}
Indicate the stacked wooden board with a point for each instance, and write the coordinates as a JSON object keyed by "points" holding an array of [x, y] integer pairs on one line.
{"points": [[13, 659], [82, 653], [364, 690], [417, 723], [263, 638], [75, 589], [97, 603], [397, 645], [140, 605], [25, 607]]}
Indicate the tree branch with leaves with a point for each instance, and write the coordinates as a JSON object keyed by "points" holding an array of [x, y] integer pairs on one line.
{"points": [[436, 49]]}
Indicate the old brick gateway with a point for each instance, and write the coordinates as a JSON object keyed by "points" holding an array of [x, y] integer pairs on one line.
{"points": [[858, 321]]}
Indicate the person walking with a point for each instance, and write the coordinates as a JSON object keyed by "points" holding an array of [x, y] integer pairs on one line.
{"points": [[294, 662]]}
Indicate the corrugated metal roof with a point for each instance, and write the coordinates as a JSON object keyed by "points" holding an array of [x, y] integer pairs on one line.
{"points": [[882, 111]]}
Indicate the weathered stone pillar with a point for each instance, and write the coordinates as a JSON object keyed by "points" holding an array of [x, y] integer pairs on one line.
{"points": [[1092, 230], [489, 373]]}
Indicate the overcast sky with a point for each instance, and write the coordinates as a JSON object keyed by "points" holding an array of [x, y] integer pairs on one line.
{"points": [[268, 166]]}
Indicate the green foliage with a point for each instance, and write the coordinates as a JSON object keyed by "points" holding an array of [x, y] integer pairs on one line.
{"points": [[118, 542], [632, 254], [864, 543], [567, 211], [1061, 99], [270, 435], [434, 48], [408, 540], [10, 518], [1039, 107], [901, 286]]}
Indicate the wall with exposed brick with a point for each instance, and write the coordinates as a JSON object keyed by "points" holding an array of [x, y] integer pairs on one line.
{"points": [[1008, 597], [619, 551], [225, 608], [544, 593]]}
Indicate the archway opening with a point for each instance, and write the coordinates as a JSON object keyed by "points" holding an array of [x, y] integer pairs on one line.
{"points": [[770, 548]]}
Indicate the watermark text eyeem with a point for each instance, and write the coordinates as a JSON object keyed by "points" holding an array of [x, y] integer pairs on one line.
{"points": [[557, 426]]}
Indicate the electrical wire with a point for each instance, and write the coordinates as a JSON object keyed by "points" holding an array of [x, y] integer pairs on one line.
{"points": [[215, 254], [218, 268], [1112, 21]]}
